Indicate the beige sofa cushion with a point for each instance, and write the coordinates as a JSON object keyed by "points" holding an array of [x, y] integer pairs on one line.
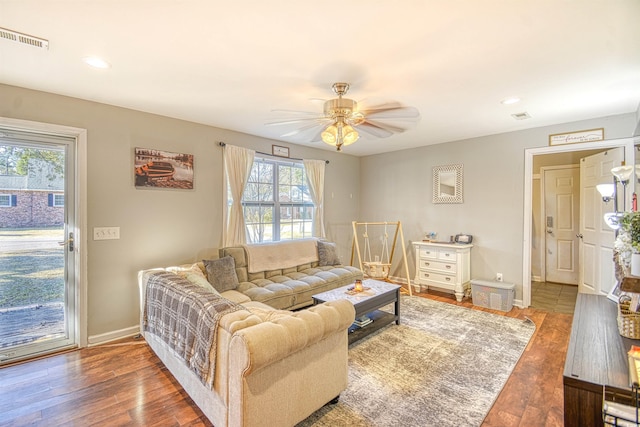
{"points": [[236, 297], [289, 288]]}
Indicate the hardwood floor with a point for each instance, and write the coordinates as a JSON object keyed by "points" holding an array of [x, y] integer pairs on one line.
{"points": [[124, 383]]}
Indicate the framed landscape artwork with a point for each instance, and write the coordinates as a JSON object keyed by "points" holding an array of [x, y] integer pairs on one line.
{"points": [[163, 169]]}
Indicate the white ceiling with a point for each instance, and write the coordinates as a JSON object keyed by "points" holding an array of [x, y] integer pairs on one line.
{"points": [[229, 64]]}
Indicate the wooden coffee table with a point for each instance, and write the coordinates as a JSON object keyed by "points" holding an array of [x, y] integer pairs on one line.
{"points": [[367, 304]]}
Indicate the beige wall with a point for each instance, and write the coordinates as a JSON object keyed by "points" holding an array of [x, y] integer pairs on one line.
{"points": [[163, 227], [398, 186], [160, 227]]}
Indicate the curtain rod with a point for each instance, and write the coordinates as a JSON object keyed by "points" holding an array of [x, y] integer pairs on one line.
{"points": [[222, 144]]}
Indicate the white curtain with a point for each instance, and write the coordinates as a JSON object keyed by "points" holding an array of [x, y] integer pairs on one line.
{"points": [[237, 167], [315, 179]]}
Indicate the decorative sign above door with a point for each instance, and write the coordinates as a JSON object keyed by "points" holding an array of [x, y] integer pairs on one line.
{"points": [[576, 137]]}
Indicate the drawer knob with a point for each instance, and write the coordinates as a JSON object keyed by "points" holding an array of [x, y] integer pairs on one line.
{"points": [[449, 267], [448, 279], [427, 264]]}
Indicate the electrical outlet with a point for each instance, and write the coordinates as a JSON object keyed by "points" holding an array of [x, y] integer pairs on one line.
{"points": [[499, 277], [106, 233]]}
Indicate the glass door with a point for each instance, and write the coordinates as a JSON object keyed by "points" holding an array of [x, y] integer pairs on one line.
{"points": [[37, 263]]}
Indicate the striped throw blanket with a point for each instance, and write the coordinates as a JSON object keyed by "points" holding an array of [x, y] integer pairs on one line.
{"points": [[186, 317]]}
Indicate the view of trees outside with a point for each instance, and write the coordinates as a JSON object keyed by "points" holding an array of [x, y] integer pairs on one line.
{"points": [[277, 204], [15, 160]]}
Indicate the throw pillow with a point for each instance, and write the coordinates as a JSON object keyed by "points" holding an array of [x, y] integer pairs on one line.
{"points": [[221, 273], [198, 279], [327, 254]]}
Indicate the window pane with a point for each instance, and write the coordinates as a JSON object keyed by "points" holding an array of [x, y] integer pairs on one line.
{"points": [[296, 194], [259, 221], [253, 176], [284, 195], [295, 229], [266, 192], [251, 214], [251, 193], [284, 174], [298, 177], [5, 200], [308, 212], [265, 173]]}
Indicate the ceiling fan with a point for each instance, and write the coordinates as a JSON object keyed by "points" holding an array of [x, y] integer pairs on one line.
{"points": [[342, 116]]}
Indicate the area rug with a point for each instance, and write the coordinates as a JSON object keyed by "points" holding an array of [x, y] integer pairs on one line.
{"points": [[444, 365]]}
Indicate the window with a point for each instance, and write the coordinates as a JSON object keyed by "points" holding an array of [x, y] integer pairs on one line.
{"points": [[56, 200], [276, 201], [7, 200]]}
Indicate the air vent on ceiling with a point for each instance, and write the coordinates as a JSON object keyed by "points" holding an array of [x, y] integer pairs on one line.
{"points": [[521, 116], [17, 37]]}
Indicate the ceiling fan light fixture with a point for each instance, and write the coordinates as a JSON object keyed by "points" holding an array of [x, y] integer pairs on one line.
{"points": [[336, 127], [339, 134], [330, 135], [349, 135]]}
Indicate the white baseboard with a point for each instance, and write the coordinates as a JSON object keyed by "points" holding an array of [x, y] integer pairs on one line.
{"points": [[114, 335], [536, 279]]}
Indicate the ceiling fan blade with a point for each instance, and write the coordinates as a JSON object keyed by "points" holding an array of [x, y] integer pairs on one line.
{"points": [[370, 105], [305, 128], [392, 112], [317, 137], [374, 130], [305, 113], [293, 121], [389, 128]]}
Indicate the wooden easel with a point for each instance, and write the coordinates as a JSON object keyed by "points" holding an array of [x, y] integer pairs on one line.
{"points": [[355, 246]]}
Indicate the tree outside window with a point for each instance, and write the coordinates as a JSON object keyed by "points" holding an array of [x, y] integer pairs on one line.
{"points": [[276, 201]]}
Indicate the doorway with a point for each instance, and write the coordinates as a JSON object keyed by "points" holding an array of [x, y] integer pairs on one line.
{"points": [[42, 183], [560, 204], [529, 235]]}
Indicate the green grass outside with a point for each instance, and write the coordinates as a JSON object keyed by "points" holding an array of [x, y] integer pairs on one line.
{"points": [[30, 277]]}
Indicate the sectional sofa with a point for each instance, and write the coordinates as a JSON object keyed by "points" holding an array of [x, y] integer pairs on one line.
{"points": [[266, 366]]}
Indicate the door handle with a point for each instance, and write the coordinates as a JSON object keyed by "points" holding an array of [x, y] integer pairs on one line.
{"points": [[579, 236], [68, 242], [549, 231]]}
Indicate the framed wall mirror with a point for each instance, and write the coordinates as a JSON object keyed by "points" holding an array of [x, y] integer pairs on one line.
{"points": [[447, 184]]}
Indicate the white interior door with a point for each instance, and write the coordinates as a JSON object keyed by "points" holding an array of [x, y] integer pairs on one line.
{"points": [[596, 251], [561, 221]]}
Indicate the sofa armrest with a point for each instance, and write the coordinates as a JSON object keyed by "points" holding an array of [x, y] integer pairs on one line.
{"points": [[269, 342]]}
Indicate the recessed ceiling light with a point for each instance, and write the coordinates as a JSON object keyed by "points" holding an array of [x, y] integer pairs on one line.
{"points": [[96, 62], [510, 100]]}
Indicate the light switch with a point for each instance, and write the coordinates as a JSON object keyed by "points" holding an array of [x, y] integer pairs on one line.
{"points": [[106, 233]]}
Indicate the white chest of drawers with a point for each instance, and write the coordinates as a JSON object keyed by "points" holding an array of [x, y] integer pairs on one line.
{"points": [[443, 265]]}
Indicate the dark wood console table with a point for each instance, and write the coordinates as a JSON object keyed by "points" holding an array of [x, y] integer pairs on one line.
{"points": [[597, 356]]}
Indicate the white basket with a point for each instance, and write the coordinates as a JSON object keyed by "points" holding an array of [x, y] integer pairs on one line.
{"points": [[493, 295], [376, 269]]}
